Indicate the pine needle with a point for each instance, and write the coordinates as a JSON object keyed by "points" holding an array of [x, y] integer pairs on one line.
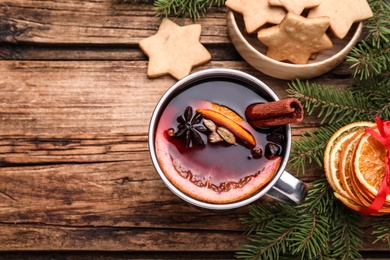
{"points": [[310, 148], [345, 234], [314, 230], [334, 105], [371, 57], [184, 8], [322, 227], [381, 227]]}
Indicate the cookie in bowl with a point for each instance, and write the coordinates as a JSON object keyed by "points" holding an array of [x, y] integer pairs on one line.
{"points": [[254, 47]]}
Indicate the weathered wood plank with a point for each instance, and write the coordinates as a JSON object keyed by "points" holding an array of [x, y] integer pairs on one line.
{"points": [[123, 194], [219, 52], [77, 132], [38, 150], [51, 110], [91, 22], [42, 237], [44, 97], [75, 172], [109, 206], [26, 151]]}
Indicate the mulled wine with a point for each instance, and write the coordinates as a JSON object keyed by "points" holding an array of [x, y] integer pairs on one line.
{"points": [[206, 148]]}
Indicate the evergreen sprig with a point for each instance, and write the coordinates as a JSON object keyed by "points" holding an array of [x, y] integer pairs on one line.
{"points": [[370, 60], [320, 228], [345, 234], [192, 9], [310, 148], [337, 229], [362, 101], [334, 104], [371, 56], [185, 8], [134, 1], [381, 227]]}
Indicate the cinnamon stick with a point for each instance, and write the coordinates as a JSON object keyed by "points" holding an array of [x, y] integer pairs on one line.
{"points": [[281, 112]]}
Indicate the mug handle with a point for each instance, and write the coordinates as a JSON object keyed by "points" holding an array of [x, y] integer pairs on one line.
{"points": [[288, 189]]}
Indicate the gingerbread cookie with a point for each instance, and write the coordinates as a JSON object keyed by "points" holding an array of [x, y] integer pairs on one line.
{"points": [[296, 38], [174, 50], [256, 13], [296, 6], [342, 14]]}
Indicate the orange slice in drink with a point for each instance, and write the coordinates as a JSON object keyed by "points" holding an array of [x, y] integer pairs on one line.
{"points": [[227, 112], [227, 118]]}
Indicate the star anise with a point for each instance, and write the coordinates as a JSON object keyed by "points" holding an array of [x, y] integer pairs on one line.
{"points": [[188, 127]]}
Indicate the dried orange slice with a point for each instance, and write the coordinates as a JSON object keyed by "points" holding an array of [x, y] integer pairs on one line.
{"points": [[333, 152], [362, 195], [346, 170], [349, 203], [354, 166], [357, 207], [369, 164]]}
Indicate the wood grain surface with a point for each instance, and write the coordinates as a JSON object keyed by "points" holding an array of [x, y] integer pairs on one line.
{"points": [[75, 104]]}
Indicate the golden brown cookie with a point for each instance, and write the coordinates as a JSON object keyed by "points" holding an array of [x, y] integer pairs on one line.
{"points": [[174, 50], [256, 13], [296, 38], [296, 6], [342, 14]]}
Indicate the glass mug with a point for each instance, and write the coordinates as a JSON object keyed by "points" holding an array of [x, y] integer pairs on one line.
{"points": [[207, 84]]}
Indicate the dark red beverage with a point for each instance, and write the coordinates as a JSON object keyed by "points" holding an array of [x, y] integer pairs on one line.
{"points": [[217, 172]]}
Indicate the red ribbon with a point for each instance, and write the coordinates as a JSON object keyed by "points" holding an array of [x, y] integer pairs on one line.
{"points": [[384, 138]]}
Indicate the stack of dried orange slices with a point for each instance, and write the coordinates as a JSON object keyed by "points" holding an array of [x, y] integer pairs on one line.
{"points": [[354, 164]]}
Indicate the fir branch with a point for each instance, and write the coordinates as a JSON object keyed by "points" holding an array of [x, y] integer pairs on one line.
{"points": [[320, 203], [377, 88], [134, 1], [193, 9], [310, 148], [377, 91], [320, 228], [344, 226], [381, 227], [345, 234], [271, 238], [335, 105], [310, 236], [262, 215], [363, 101], [378, 24], [184, 8], [319, 198], [371, 57]]}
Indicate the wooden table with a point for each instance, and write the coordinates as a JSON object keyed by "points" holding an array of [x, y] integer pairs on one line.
{"points": [[76, 179]]}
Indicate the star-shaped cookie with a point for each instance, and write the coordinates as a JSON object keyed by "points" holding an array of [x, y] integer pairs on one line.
{"points": [[296, 38], [342, 14], [256, 13], [174, 50], [296, 6]]}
